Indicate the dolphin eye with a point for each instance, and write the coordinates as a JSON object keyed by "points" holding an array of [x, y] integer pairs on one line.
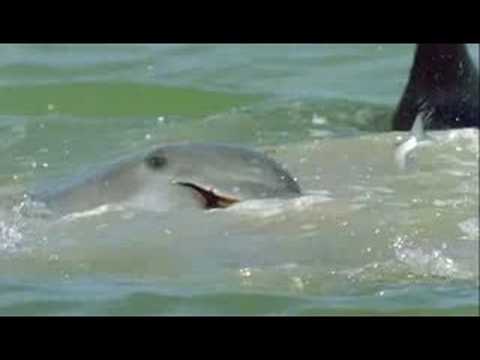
{"points": [[156, 161]]}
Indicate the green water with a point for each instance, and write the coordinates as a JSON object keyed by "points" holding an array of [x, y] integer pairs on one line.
{"points": [[367, 238]]}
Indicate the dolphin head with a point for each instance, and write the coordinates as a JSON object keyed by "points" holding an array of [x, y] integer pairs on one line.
{"points": [[175, 176], [220, 175]]}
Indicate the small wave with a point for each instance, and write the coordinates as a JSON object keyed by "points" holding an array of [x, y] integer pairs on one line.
{"points": [[100, 210], [470, 229], [433, 263], [13, 130], [469, 137], [273, 207]]}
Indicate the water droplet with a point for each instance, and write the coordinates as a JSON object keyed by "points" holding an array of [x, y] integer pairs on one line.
{"points": [[50, 107], [34, 164], [45, 165], [319, 120], [245, 272], [53, 257], [148, 137], [297, 281]]}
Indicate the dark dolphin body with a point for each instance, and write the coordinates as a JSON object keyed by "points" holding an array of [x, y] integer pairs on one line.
{"points": [[178, 175], [444, 82]]}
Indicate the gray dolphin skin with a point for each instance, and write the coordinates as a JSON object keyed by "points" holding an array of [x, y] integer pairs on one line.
{"points": [[444, 82], [178, 175]]}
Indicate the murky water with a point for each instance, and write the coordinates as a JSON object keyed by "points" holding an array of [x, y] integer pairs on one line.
{"points": [[366, 237]]}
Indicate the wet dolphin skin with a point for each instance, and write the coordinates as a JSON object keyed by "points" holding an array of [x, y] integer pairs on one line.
{"points": [[203, 175]]}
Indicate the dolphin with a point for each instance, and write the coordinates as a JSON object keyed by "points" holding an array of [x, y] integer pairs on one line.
{"points": [[185, 174], [444, 82]]}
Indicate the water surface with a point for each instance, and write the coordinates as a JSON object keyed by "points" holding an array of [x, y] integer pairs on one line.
{"points": [[366, 237]]}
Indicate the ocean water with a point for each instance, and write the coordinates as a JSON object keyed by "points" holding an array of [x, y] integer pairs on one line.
{"points": [[367, 237]]}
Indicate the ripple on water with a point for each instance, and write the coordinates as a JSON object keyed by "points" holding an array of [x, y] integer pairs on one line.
{"points": [[469, 228], [12, 130]]}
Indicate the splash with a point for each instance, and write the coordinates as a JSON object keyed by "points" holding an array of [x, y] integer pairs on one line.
{"points": [[12, 229], [426, 263], [266, 208], [10, 237], [470, 229]]}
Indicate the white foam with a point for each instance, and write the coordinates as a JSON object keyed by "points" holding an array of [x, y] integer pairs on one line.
{"points": [[433, 263], [100, 210], [275, 207], [320, 133], [10, 237], [470, 229], [404, 152], [319, 120]]}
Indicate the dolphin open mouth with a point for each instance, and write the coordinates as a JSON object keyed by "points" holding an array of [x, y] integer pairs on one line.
{"points": [[210, 198]]}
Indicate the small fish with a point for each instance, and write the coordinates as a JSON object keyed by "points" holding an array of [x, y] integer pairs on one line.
{"points": [[417, 138]]}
